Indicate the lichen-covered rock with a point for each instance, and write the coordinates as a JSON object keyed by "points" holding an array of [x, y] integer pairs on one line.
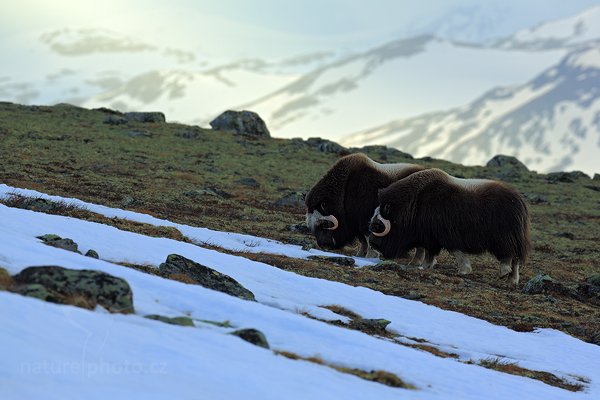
{"points": [[501, 160], [205, 276], [535, 198], [242, 123], [33, 290], [181, 321], [61, 243], [209, 191], [590, 289], [374, 325], [543, 283], [326, 146], [156, 117], [383, 152], [566, 177], [253, 336], [84, 288], [92, 253], [292, 199], [114, 119]]}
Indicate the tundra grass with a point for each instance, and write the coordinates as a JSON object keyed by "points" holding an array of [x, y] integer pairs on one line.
{"points": [[194, 176]]}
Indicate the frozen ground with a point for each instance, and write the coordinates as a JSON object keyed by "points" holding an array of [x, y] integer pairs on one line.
{"points": [[57, 351]]}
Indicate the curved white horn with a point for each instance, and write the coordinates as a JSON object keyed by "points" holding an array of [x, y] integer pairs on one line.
{"points": [[331, 219], [386, 224]]}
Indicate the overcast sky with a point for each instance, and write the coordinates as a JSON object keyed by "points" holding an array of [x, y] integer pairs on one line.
{"points": [[267, 28]]}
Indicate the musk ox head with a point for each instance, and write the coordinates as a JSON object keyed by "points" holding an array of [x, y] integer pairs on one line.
{"points": [[325, 217], [391, 230]]}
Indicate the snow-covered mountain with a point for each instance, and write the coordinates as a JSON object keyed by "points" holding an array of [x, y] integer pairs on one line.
{"points": [[551, 123], [61, 351]]}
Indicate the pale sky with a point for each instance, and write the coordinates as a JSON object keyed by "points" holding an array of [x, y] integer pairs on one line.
{"points": [[228, 28]]}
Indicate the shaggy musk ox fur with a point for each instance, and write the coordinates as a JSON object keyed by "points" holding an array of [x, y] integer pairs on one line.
{"points": [[341, 204], [434, 210]]}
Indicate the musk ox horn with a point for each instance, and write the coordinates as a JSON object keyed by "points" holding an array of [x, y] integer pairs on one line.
{"points": [[331, 219], [386, 224]]}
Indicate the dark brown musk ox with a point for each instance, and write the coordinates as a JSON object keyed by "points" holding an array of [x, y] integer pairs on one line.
{"points": [[340, 205], [434, 210]]}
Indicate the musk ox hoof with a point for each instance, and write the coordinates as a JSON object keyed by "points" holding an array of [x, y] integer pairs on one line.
{"points": [[465, 269], [505, 270]]}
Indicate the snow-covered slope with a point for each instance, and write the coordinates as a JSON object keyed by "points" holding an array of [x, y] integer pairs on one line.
{"points": [[55, 351], [550, 123], [566, 32]]}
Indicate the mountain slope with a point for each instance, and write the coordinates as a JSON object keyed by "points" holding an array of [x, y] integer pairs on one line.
{"points": [[99, 354], [551, 123]]}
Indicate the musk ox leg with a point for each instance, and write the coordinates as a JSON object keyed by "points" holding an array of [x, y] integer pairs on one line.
{"points": [[464, 264], [419, 257], [505, 267], [429, 260], [513, 277], [364, 247]]}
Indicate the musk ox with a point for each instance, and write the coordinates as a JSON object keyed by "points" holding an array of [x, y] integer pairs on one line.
{"points": [[341, 204], [434, 210]]}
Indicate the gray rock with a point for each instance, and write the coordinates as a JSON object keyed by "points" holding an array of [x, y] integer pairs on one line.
{"points": [[375, 325], [292, 199], [250, 182], [192, 132], [61, 243], [84, 288], [154, 117], [345, 261], [543, 283], [181, 321], [567, 235], [34, 290], [209, 191], [299, 228], [92, 253], [596, 177], [253, 336], [383, 152], [137, 134], [114, 119], [204, 276], [242, 123], [566, 177], [590, 289], [326, 146], [501, 160], [534, 198]]}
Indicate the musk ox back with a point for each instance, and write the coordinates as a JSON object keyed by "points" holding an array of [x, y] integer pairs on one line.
{"points": [[341, 204], [434, 210]]}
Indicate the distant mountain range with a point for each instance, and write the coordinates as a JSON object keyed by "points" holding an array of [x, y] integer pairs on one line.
{"points": [[552, 122]]}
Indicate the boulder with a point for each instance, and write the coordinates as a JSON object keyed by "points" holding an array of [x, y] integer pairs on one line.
{"points": [[209, 191], [204, 276], [371, 326], [155, 117], [565, 177], [535, 198], [84, 288], [326, 146], [241, 123], [249, 182], [383, 152], [57, 241], [91, 253], [291, 199], [253, 336], [544, 284], [501, 160]]}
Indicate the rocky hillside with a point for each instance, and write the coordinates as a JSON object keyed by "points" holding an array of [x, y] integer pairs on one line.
{"points": [[255, 185]]}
